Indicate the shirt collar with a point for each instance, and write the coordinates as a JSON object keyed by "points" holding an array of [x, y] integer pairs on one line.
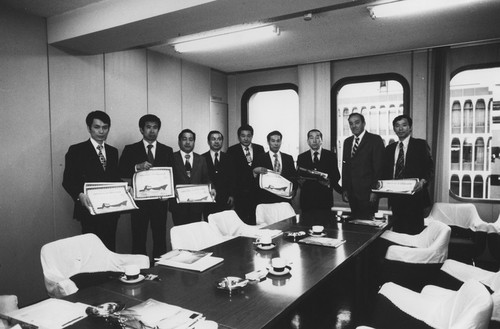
{"points": [[318, 150], [405, 141], [361, 136], [183, 154], [146, 143], [95, 144]]}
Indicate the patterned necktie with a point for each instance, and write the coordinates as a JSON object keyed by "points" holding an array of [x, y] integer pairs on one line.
{"points": [[101, 157], [216, 161], [248, 155], [400, 163], [315, 159], [277, 166], [355, 147], [151, 158], [187, 165]]}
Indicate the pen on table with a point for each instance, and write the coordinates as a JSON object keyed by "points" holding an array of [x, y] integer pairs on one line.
{"points": [[72, 321]]}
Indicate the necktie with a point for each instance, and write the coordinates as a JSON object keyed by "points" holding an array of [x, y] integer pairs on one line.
{"points": [[187, 165], [216, 161], [315, 158], [101, 157], [276, 164], [400, 163], [248, 155], [151, 159], [355, 147]]}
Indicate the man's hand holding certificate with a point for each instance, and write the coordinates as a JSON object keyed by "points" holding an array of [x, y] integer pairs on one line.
{"points": [[397, 186]]}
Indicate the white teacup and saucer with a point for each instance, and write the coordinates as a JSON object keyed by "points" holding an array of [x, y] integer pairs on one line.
{"points": [[317, 230], [265, 243], [279, 266], [132, 274]]}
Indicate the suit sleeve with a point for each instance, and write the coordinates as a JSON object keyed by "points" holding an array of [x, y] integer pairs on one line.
{"points": [[346, 173], [428, 163], [334, 174], [126, 164], [73, 179], [378, 161]]}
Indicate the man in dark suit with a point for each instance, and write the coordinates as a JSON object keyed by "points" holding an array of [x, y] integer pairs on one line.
{"points": [[140, 156], [219, 171], [408, 158], [275, 161], [244, 187], [318, 194], [92, 161], [361, 168], [189, 168]]}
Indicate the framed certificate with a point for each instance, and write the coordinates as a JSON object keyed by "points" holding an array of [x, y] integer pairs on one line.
{"points": [[194, 193], [109, 197], [276, 184], [155, 183], [397, 186]]}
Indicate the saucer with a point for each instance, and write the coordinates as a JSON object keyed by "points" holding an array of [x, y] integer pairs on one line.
{"points": [[139, 279], [266, 247], [316, 234], [284, 272]]}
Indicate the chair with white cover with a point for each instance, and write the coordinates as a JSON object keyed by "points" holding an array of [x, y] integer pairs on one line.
{"points": [[453, 274], [494, 239], [414, 260], [194, 236], [270, 213], [81, 254], [228, 223], [434, 307], [8, 303], [468, 230]]}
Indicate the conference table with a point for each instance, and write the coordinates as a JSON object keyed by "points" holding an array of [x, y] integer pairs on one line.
{"points": [[259, 304]]}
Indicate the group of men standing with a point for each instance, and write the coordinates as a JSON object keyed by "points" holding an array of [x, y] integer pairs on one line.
{"points": [[234, 175]]}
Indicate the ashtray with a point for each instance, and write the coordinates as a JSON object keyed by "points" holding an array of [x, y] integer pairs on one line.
{"points": [[295, 235], [231, 283], [105, 309]]}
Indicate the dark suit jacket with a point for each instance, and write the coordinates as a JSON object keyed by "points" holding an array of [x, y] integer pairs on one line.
{"points": [[82, 166], [222, 178], [243, 182], [361, 173], [135, 153], [314, 194], [287, 171], [418, 164]]}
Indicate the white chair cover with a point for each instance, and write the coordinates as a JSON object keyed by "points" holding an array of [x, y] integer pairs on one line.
{"points": [[227, 223], [8, 303], [195, 236], [429, 246], [464, 272], [85, 253], [269, 213], [470, 307], [463, 215]]}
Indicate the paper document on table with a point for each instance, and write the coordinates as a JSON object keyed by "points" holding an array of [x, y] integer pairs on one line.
{"points": [[369, 222], [109, 197], [50, 313], [185, 256], [189, 260], [155, 314], [155, 183], [193, 193], [322, 241], [398, 186], [257, 233], [276, 184]]}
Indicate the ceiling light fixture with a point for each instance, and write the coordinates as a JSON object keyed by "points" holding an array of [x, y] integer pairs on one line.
{"points": [[231, 37], [412, 7]]}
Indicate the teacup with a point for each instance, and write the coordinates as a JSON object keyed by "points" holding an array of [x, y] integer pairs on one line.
{"points": [[317, 229], [264, 240], [132, 272], [379, 215], [278, 264]]}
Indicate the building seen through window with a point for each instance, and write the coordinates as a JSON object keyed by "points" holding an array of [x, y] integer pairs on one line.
{"points": [[475, 134]]}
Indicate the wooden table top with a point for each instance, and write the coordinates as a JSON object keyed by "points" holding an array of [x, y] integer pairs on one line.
{"points": [[259, 304]]}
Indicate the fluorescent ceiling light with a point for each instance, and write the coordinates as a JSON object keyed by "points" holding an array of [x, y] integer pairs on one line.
{"points": [[231, 37], [413, 7]]}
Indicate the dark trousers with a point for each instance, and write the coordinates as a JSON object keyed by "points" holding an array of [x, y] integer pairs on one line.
{"points": [[185, 213], [104, 226], [408, 213], [362, 209], [244, 205], [152, 213]]}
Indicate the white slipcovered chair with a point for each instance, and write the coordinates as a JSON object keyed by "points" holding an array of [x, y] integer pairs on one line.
{"points": [[270, 213], [468, 230], [8, 303], [453, 274], [84, 253], [414, 260], [228, 223], [195, 236], [435, 307]]}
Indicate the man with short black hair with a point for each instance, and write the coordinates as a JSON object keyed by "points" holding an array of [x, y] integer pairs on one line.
{"points": [[144, 155], [219, 170], [92, 161], [245, 190]]}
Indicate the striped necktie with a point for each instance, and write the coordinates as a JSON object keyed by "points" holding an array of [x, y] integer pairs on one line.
{"points": [[248, 156], [277, 166], [187, 165], [101, 156], [400, 163], [355, 147]]}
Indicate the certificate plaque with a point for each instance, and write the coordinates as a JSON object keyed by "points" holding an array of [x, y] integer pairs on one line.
{"points": [[194, 193], [155, 183], [276, 184], [109, 197], [397, 186]]}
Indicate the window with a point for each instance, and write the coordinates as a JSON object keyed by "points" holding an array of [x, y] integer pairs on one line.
{"points": [[475, 133], [381, 98], [275, 107]]}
